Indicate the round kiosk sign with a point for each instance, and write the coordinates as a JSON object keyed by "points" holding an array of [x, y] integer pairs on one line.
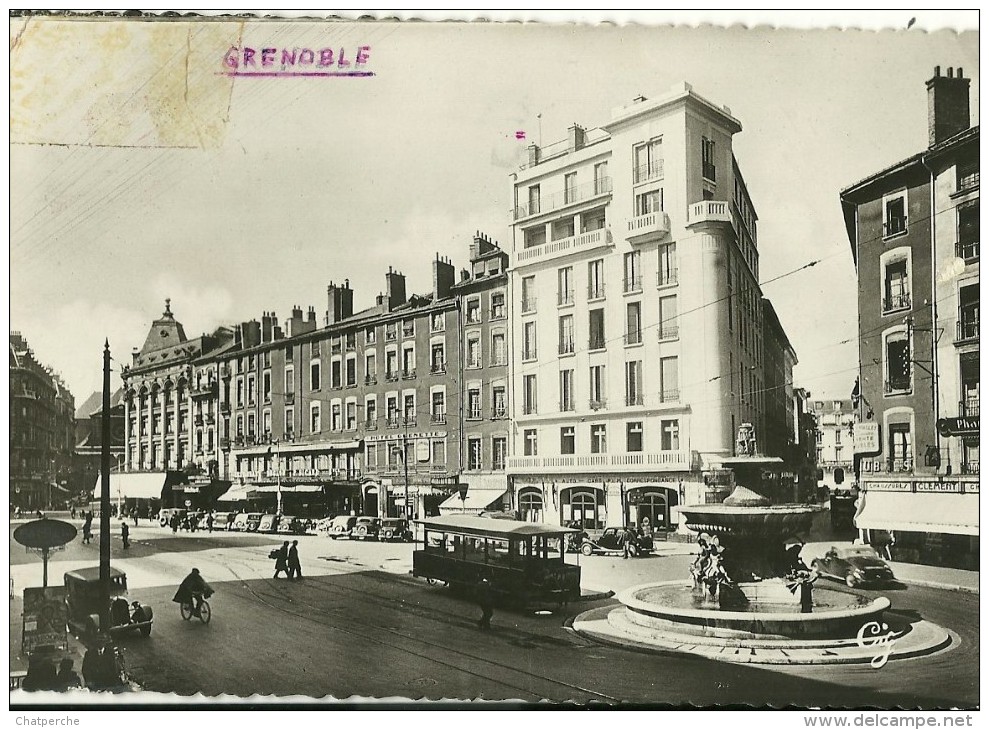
{"points": [[45, 533]]}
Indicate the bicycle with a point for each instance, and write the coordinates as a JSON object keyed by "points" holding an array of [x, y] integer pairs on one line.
{"points": [[188, 611]]}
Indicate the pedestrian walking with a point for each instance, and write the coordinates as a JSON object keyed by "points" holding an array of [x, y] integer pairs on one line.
{"points": [[281, 560], [174, 522], [628, 541], [294, 566], [72, 512], [486, 602], [134, 516], [209, 520], [125, 535], [87, 528]]}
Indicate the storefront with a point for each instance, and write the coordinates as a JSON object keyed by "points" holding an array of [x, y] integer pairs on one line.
{"points": [[583, 506], [651, 506]]}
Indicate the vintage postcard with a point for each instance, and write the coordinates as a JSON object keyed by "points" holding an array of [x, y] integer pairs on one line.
{"points": [[387, 359]]}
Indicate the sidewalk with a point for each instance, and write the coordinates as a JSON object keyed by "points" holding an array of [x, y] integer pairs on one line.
{"points": [[951, 579]]}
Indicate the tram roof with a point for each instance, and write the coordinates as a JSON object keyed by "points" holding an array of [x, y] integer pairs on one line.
{"points": [[489, 527]]}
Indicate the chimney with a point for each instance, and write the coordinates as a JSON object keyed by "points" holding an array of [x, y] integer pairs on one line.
{"points": [[533, 155], [444, 277], [481, 245], [311, 317], [576, 137], [251, 333], [394, 288], [267, 325], [948, 110], [297, 325], [340, 302]]}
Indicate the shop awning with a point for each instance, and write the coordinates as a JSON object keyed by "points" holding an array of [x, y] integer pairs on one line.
{"points": [[477, 500], [144, 485], [953, 514], [286, 489], [234, 494]]}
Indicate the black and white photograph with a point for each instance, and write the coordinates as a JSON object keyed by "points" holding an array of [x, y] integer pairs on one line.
{"points": [[493, 360]]}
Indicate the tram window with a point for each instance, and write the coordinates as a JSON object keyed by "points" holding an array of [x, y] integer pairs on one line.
{"points": [[453, 544], [474, 551], [498, 552]]}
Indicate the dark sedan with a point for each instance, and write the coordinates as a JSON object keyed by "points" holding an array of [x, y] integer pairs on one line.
{"points": [[856, 565]]}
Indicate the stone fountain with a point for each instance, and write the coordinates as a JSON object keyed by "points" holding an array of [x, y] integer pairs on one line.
{"points": [[744, 602]]}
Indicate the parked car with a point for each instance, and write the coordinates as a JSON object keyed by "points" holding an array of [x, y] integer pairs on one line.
{"points": [[289, 525], [165, 515], [395, 529], [366, 528], [336, 527], [612, 540], [82, 600], [855, 564], [239, 523], [268, 523], [254, 521], [223, 520]]}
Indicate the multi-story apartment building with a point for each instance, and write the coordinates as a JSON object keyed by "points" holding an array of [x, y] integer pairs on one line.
{"points": [[89, 440], [483, 400], [833, 437], [913, 229], [637, 315], [41, 430]]}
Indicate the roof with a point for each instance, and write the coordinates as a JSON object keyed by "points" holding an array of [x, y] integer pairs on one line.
{"points": [[89, 406], [487, 527]]}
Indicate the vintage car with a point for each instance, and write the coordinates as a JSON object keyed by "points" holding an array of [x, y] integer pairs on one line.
{"points": [[288, 525], [395, 529], [254, 521], [165, 515], [855, 564], [612, 540], [223, 520], [366, 528], [82, 599], [239, 523], [336, 527], [268, 523]]}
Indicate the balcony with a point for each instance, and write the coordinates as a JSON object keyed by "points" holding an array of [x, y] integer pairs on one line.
{"points": [[393, 421], [638, 461], [896, 303], [564, 198], [409, 374], [564, 246], [371, 379], [198, 420], [647, 172], [969, 408], [632, 284], [210, 419], [967, 250], [668, 332], [595, 292], [564, 298], [474, 414], [499, 412], [371, 424], [669, 396], [528, 304], [437, 368], [203, 391], [648, 227], [966, 330], [409, 420], [391, 376], [437, 418], [670, 277], [596, 404], [709, 211]]}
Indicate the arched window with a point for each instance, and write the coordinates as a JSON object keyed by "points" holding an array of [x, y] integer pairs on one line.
{"points": [[531, 505], [584, 510]]}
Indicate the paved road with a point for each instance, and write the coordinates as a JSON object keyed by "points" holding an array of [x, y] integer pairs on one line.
{"points": [[359, 625]]}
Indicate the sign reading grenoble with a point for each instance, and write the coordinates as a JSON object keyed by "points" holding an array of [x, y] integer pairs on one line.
{"points": [[866, 438]]}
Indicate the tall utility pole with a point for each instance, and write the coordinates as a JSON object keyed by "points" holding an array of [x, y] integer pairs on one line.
{"points": [[105, 497]]}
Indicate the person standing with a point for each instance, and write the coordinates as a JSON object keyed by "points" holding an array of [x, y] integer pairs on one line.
{"points": [[281, 561], [628, 542], [294, 566], [209, 520], [87, 528], [485, 600], [125, 534]]}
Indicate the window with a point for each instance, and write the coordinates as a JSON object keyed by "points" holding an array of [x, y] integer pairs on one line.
{"points": [[596, 329], [895, 220], [633, 271], [595, 279], [563, 228], [669, 439], [633, 323], [564, 285], [529, 403], [896, 289], [968, 231], [633, 436], [648, 161], [289, 380], [708, 169], [289, 422], [528, 294], [266, 386], [897, 362], [409, 328], [499, 405], [473, 351], [529, 341], [436, 322], [370, 335], [408, 362], [968, 175], [371, 413], [969, 364], [351, 424], [437, 358], [530, 442], [601, 182], [240, 427], [474, 403], [351, 340], [533, 199], [314, 375], [597, 386], [336, 417], [497, 305], [566, 390], [474, 454], [633, 383], [534, 237], [473, 311], [667, 265], [391, 410], [568, 440], [351, 371], [499, 453], [900, 447], [649, 202], [570, 188], [410, 408], [599, 439], [668, 329], [314, 418], [669, 380], [968, 313], [391, 331], [251, 390], [336, 374], [837, 436], [439, 452], [370, 369], [499, 354], [566, 344]]}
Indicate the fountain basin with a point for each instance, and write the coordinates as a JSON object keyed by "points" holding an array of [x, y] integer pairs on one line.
{"points": [[672, 606]]}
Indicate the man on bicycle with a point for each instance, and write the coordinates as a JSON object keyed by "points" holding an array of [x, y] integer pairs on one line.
{"points": [[193, 587]]}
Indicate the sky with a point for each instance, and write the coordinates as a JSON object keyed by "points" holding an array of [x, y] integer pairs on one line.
{"points": [[144, 173]]}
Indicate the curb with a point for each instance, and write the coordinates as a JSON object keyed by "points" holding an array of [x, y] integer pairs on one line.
{"points": [[936, 584]]}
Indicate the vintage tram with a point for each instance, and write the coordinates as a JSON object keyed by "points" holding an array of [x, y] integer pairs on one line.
{"points": [[524, 562]]}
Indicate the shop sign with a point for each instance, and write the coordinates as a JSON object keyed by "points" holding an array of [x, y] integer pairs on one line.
{"points": [[45, 618], [400, 437], [422, 450], [949, 487], [865, 438], [970, 487], [887, 486], [962, 426]]}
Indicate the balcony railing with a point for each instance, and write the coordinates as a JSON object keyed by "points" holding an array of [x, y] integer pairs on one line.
{"points": [[198, 420], [968, 250], [210, 419], [474, 414], [896, 302], [565, 347], [409, 374], [668, 332], [409, 420], [393, 421], [203, 391], [437, 367], [669, 396], [966, 330], [596, 404], [637, 461], [595, 291], [670, 277], [371, 424], [648, 227], [970, 467], [968, 407], [564, 298], [391, 376], [554, 249], [528, 304], [632, 283], [633, 338], [499, 412], [650, 171], [437, 418], [716, 211], [371, 379], [567, 196]]}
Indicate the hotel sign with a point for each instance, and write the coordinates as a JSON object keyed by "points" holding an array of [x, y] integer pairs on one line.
{"points": [[866, 438], [962, 426]]}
